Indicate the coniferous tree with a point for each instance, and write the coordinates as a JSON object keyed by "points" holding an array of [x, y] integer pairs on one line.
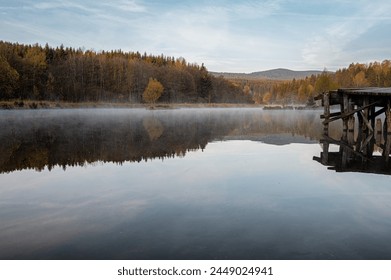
{"points": [[8, 79]]}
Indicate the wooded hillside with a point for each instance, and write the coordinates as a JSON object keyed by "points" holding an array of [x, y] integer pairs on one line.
{"points": [[33, 72], [375, 74], [76, 75]]}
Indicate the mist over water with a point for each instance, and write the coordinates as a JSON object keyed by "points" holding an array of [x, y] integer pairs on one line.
{"points": [[182, 184], [46, 138]]}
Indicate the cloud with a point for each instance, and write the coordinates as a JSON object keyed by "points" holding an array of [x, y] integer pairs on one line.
{"points": [[90, 24], [127, 6], [248, 9], [93, 7], [63, 5], [226, 35], [209, 33], [50, 5], [332, 45]]}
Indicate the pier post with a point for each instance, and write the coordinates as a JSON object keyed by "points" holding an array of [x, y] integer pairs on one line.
{"points": [[388, 118], [365, 130], [379, 132], [326, 105], [387, 144], [351, 122], [325, 154], [359, 133], [373, 117], [344, 110]]}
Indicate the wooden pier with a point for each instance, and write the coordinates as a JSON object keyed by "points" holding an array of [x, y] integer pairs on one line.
{"points": [[366, 123]]}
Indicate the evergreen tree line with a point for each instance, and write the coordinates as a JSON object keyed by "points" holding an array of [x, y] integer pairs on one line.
{"points": [[75, 75], [374, 74]]}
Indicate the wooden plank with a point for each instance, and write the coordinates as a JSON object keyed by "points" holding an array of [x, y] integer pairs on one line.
{"points": [[372, 91], [349, 114], [343, 144], [319, 97], [366, 122], [378, 113], [366, 142], [331, 115]]}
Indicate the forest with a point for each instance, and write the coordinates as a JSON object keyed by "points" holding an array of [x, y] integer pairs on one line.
{"points": [[301, 91], [33, 72]]}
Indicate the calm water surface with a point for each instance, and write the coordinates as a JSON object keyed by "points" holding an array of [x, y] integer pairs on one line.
{"points": [[182, 184]]}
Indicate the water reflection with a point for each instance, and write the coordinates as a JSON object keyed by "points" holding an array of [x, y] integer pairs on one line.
{"points": [[35, 140], [367, 152], [257, 195]]}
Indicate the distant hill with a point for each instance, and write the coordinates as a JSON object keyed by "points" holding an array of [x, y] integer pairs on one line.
{"points": [[274, 74]]}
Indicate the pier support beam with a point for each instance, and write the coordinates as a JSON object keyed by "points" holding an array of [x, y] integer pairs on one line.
{"points": [[387, 145], [326, 106], [351, 123], [379, 132]]}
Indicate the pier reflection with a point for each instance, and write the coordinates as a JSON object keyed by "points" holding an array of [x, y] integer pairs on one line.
{"points": [[351, 158]]}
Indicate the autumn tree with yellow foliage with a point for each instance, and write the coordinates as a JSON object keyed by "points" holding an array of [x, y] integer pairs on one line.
{"points": [[153, 91]]}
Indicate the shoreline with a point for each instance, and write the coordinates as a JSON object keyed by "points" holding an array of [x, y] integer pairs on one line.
{"points": [[35, 105]]}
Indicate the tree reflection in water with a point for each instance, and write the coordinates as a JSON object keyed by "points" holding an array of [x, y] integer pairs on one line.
{"points": [[48, 138]]}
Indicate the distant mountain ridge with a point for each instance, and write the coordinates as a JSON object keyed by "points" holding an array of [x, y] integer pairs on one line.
{"points": [[274, 74]]}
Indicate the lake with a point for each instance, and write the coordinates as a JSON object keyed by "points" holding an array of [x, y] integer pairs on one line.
{"points": [[183, 184]]}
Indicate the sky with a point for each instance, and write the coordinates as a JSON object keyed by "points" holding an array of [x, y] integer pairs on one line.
{"points": [[225, 35]]}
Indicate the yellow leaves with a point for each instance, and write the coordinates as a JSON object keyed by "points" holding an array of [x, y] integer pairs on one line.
{"points": [[305, 91], [246, 90], [153, 91], [267, 97], [325, 83], [359, 80], [36, 57]]}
